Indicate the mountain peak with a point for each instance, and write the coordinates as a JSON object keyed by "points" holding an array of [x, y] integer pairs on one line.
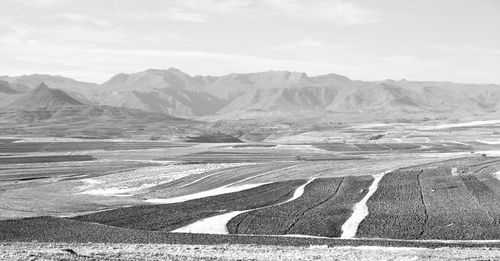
{"points": [[44, 96], [173, 69], [42, 87], [6, 88]]}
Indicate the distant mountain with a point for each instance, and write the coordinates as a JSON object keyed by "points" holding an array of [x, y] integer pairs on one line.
{"points": [[44, 97], [44, 103], [6, 88], [54, 81], [153, 79], [176, 93], [72, 87]]}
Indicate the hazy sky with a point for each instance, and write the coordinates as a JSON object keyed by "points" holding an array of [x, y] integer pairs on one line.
{"points": [[90, 40]]}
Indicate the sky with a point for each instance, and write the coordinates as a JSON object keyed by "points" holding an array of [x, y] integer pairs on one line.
{"points": [[91, 40]]}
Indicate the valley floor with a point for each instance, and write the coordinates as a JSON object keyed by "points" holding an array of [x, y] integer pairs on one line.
{"points": [[387, 192]]}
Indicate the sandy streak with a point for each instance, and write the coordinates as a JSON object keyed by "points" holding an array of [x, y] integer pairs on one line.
{"points": [[360, 210]]}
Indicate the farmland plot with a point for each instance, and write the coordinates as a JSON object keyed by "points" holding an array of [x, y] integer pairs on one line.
{"points": [[458, 207], [168, 217], [233, 173], [60, 146], [43, 159], [433, 203], [326, 204], [396, 209], [142, 179], [68, 170]]}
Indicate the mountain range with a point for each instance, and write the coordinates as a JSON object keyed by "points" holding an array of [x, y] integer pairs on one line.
{"points": [[43, 103], [175, 93]]}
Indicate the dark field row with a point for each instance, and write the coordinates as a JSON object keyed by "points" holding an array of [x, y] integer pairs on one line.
{"points": [[325, 205], [232, 157], [68, 171], [24, 147], [168, 217], [45, 159], [321, 211], [433, 203], [388, 147], [215, 179], [455, 199], [51, 229], [4, 141]]}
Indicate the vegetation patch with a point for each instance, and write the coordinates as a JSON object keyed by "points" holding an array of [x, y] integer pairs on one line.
{"points": [[44, 159], [325, 205], [168, 217], [458, 207], [396, 209]]}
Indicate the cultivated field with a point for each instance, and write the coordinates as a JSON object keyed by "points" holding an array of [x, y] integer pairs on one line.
{"points": [[424, 190]]}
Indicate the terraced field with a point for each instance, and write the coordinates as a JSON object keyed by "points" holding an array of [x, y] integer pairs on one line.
{"points": [[321, 211], [143, 191], [11, 146], [433, 203], [68, 170], [456, 209], [396, 209], [363, 148], [43, 159], [169, 217]]}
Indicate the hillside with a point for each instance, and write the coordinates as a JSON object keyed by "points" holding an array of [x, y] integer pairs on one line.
{"points": [[45, 103], [179, 94], [6, 88], [43, 97]]}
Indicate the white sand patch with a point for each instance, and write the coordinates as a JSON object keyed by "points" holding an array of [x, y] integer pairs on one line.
{"points": [[456, 142], [445, 154], [372, 125], [311, 137], [298, 192], [204, 194], [301, 148], [262, 174], [490, 142], [127, 183], [211, 225], [360, 210], [424, 147], [464, 124], [497, 175], [118, 191], [229, 188], [218, 224], [491, 153]]}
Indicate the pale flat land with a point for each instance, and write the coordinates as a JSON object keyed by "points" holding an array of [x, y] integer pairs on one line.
{"points": [[47, 251]]}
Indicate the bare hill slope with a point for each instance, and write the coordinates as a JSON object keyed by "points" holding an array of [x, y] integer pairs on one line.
{"points": [[179, 94]]}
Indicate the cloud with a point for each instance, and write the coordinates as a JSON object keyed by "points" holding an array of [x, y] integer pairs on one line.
{"points": [[339, 12], [216, 6], [40, 3], [74, 17], [183, 15], [304, 45], [461, 49]]}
